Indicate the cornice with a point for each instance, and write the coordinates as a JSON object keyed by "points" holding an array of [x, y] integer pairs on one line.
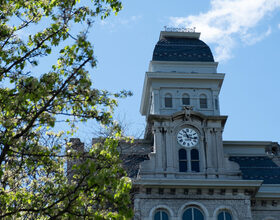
{"points": [[202, 183], [180, 114]]}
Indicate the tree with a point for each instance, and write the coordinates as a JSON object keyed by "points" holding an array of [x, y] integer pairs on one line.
{"points": [[34, 182]]}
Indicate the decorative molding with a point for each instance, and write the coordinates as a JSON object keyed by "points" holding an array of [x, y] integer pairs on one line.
{"points": [[199, 182], [221, 208], [194, 204], [161, 206]]}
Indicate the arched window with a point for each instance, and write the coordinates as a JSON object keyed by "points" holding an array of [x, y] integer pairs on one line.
{"points": [[168, 101], [224, 215], [183, 162], [193, 213], [203, 101], [195, 160], [186, 99], [161, 215]]}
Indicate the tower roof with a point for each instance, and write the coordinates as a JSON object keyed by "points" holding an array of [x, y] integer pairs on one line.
{"points": [[181, 46]]}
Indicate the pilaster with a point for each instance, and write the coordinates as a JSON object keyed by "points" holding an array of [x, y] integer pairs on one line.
{"points": [[156, 101], [169, 148], [158, 146], [219, 149], [210, 155]]}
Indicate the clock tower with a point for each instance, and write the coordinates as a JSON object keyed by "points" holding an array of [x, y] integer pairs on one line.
{"points": [[187, 164], [181, 103]]}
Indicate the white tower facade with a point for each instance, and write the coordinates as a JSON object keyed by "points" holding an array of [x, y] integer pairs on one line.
{"points": [[187, 175]]}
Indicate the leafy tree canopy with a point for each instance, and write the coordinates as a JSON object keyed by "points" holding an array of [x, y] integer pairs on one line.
{"points": [[34, 181]]}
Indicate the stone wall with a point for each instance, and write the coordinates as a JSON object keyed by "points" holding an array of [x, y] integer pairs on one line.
{"points": [[175, 205]]}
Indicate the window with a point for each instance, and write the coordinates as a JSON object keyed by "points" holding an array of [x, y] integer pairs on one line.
{"points": [[216, 104], [186, 99], [193, 163], [193, 214], [148, 190], [224, 215], [195, 160], [203, 101], [168, 101], [183, 162], [161, 215]]}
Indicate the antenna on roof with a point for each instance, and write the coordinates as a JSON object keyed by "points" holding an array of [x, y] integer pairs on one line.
{"points": [[181, 29]]}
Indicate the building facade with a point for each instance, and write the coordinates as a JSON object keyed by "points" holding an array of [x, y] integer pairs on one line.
{"points": [[183, 169]]}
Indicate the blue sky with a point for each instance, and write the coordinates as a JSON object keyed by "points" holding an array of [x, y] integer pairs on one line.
{"points": [[243, 35]]}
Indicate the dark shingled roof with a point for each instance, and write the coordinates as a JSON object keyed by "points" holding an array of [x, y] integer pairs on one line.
{"points": [[131, 163], [182, 49], [258, 168]]}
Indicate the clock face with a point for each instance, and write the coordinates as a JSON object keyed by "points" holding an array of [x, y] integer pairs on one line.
{"points": [[187, 137]]}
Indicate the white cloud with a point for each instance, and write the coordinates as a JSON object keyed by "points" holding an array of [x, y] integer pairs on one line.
{"points": [[228, 21], [279, 26], [251, 39], [114, 22], [129, 20]]}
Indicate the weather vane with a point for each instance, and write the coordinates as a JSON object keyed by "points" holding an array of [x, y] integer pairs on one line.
{"points": [[179, 29]]}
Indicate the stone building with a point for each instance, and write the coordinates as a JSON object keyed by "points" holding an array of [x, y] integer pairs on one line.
{"points": [[183, 169]]}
